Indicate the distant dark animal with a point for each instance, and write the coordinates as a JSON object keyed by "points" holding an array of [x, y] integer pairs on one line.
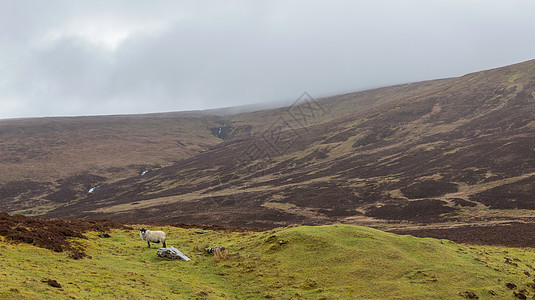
{"points": [[152, 236], [52, 283]]}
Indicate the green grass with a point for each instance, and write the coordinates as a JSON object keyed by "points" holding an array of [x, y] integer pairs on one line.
{"points": [[515, 76], [323, 262]]}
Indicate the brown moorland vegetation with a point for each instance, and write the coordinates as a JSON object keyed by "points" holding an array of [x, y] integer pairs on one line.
{"points": [[436, 154], [52, 234]]}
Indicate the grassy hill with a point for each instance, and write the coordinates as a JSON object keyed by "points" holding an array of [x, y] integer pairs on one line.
{"points": [[299, 262]]}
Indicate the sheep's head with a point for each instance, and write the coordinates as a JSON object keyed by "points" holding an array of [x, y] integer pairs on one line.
{"points": [[143, 231]]}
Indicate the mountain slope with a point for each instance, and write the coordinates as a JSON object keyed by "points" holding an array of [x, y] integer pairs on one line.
{"points": [[450, 151], [50, 161], [44, 160]]}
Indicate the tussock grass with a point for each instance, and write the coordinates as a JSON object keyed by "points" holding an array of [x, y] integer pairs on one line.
{"points": [[300, 262], [220, 255]]}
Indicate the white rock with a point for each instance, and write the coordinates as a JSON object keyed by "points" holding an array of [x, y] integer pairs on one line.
{"points": [[172, 253]]}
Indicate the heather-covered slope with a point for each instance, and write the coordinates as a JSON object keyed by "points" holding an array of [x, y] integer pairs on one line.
{"points": [[453, 151], [59, 159], [52, 161]]}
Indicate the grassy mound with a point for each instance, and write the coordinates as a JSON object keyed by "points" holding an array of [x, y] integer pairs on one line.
{"points": [[324, 262]]}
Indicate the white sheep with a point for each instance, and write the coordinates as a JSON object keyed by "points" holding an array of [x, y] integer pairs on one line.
{"points": [[152, 236]]}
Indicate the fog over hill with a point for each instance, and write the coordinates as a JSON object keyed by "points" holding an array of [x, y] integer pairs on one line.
{"points": [[72, 58]]}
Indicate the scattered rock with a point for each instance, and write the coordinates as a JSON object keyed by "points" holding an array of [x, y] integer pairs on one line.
{"points": [[53, 283], [520, 295], [172, 253], [104, 235], [510, 285], [470, 295], [282, 242], [211, 250], [527, 273], [201, 231]]}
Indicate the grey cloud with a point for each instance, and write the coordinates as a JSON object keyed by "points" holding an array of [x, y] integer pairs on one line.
{"points": [[207, 54]]}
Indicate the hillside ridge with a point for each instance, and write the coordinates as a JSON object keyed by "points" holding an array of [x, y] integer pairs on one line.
{"points": [[440, 153], [432, 154]]}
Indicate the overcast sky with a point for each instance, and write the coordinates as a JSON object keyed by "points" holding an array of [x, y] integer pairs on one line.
{"points": [[62, 58]]}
